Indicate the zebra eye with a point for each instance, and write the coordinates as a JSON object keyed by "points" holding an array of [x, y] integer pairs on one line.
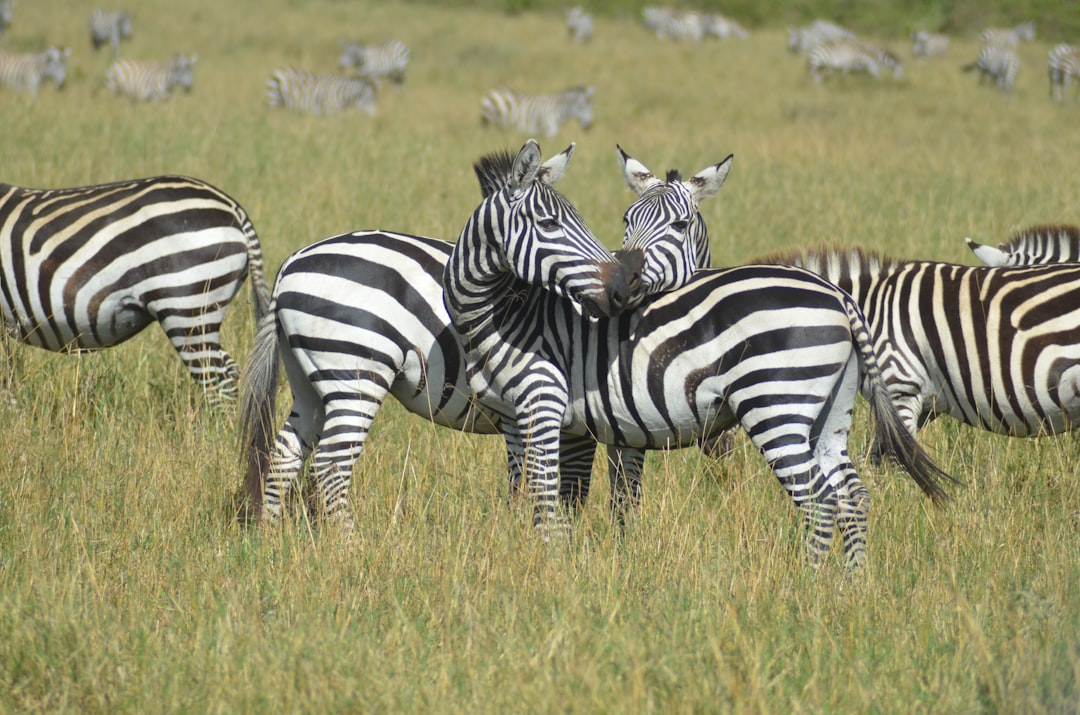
{"points": [[680, 226], [549, 224]]}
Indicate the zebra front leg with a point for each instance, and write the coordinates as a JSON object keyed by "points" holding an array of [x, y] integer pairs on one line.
{"points": [[624, 472], [542, 447], [576, 455]]}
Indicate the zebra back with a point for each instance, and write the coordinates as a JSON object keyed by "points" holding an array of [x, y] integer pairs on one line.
{"points": [[1036, 245], [376, 61]]}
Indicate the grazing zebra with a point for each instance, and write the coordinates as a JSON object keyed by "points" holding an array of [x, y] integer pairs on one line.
{"points": [[7, 11], [850, 57], [928, 44], [998, 64], [1037, 245], [108, 28], [994, 348], [1064, 66], [579, 24], [376, 61], [89, 267], [380, 295], [722, 27], [803, 39], [25, 73], [1008, 38], [777, 349], [671, 24], [302, 91], [537, 113], [150, 81]]}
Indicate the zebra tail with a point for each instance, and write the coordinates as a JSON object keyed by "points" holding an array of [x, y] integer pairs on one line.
{"points": [[889, 429], [258, 393], [969, 67], [260, 291]]}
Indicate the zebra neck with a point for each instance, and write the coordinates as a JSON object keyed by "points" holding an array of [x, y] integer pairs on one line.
{"points": [[477, 285]]}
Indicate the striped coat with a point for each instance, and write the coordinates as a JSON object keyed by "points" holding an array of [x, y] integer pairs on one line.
{"points": [[150, 81], [301, 91], [537, 114], [25, 73]]}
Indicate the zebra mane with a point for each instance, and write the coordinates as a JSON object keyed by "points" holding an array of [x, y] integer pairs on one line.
{"points": [[1034, 236], [493, 171], [673, 175], [834, 262]]}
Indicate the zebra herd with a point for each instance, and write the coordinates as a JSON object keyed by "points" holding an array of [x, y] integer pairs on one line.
{"points": [[529, 328]]}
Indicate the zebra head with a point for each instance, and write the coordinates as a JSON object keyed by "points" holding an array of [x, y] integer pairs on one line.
{"points": [[527, 230], [664, 225], [579, 105], [182, 71], [54, 65]]}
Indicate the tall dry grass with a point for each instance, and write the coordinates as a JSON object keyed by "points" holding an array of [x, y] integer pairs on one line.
{"points": [[126, 585]]}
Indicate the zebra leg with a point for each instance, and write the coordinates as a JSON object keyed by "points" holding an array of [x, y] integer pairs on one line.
{"points": [[541, 454], [286, 461], [624, 472], [197, 339], [576, 456]]}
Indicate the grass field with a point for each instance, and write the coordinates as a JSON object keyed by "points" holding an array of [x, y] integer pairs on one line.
{"points": [[126, 584]]}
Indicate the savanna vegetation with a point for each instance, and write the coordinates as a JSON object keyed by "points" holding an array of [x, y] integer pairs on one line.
{"points": [[128, 585]]}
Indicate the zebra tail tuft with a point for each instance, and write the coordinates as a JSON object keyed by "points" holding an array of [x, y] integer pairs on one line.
{"points": [[258, 393]]}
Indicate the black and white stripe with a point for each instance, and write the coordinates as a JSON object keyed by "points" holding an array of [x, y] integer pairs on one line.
{"points": [[1008, 37], [776, 349], [803, 39], [998, 64], [89, 267], [850, 57], [26, 72], [302, 91], [673, 24], [1033, 246], [376, 62], [995, 348], [579, 24], [109, 28], [541, 114], [151, 81], [717, 25], [1063, 68]]}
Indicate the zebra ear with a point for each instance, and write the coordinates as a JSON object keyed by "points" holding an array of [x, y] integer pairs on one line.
{"points": [[707, 182], [526, 164], [990, 255], [555, 168], [637, 175]]}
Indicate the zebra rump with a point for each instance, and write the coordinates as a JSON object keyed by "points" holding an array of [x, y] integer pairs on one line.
{"points": [[89, 267], [1063, 66]]}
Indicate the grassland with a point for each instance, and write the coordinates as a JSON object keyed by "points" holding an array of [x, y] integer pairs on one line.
{"points": [[126, 584]]}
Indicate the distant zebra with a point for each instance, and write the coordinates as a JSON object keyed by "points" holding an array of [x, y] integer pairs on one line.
{"points": [[1037, 245], [25, 73], [579, 24], [108, 28], [776, 349], [997, 64], [541, 114], [1064, 66], [150, 81], [1008, 38], [722, 27], [928, 44], [7, 12], [302, 91], [376, 61], [380, 296], [89, 267], [930, 322], [671, 24], [803, 39], [848, 57]]}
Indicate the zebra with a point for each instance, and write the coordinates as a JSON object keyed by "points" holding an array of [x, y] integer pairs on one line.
{"points": [[928, 44], [376, 61], [931, 321], [777, 349], [380, 295], [803, 39], [26, 72], [108, 28], [537, 113], [7, 12], [716, 25], [996, 63], [1036, 245], [579, 24], [849, 57], [1064, 65], [1008, 38], [671, 24], [302, 91], [89, 267], [150, 81]]}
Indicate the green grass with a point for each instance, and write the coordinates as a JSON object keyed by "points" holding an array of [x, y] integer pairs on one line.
{"points": [[126, 584]]}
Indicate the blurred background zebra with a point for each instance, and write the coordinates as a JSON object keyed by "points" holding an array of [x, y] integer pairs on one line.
{"points": [[25, 73], [1032, 246], [579, 24], [302, 91], [803, 39], [7, 13], [150, 81], [672, 24], [1008, 37], [998, 64], [538, 114], [89, 267], [376, 62], [1064, 66], [717, 25], [108, 28], [850, 57], [929, 44]]}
